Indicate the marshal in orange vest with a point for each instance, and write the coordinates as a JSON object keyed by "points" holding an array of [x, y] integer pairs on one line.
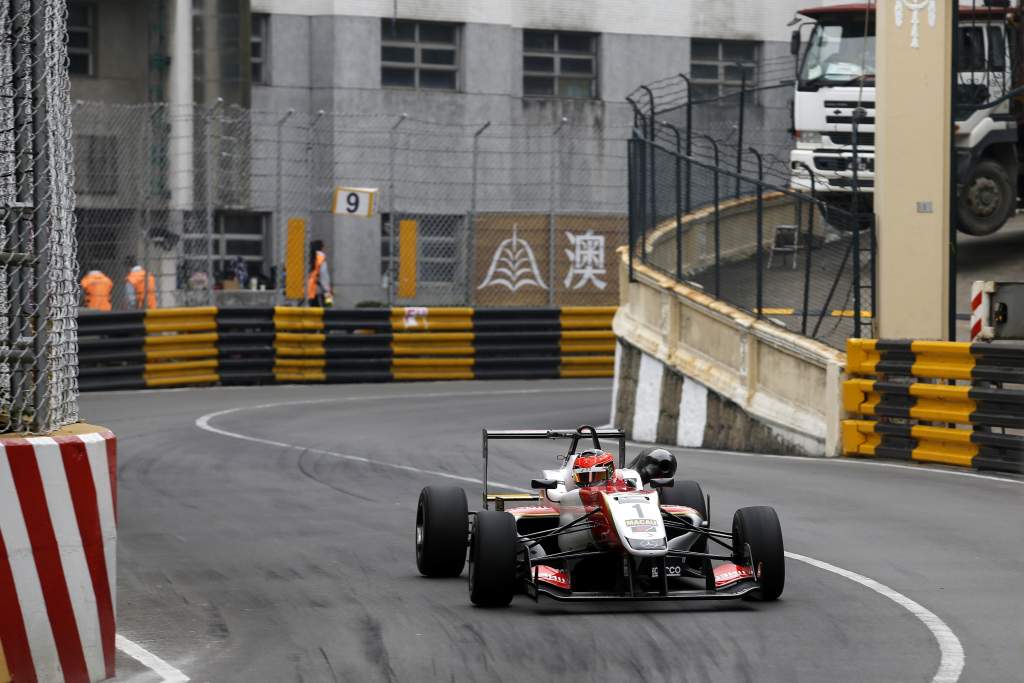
{"points": [[144, 287], [97, 288]]}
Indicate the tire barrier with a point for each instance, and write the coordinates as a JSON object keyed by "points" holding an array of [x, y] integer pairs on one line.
{"points": [[58, 536], [196, 346], [912, 418]]}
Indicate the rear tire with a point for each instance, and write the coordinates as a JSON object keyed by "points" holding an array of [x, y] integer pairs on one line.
{"points": [[986, 200], [757, 542], [442, 527], [688, 494], [492, 559]]}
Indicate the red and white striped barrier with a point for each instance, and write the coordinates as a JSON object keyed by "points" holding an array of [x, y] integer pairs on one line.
{"points": [[58, 536], [981, 310]]}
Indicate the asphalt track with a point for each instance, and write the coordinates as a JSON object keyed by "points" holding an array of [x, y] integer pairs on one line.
{"points": [[245, 561]]}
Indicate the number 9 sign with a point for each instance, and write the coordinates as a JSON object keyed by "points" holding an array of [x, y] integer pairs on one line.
{"points": [[355, 201]]}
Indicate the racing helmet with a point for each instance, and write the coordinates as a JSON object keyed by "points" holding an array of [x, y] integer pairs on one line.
{"points": [[593, 467]]}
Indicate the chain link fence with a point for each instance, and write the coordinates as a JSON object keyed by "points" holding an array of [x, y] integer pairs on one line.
{"points": [[712, 205], [495, 214], [38, 339]]}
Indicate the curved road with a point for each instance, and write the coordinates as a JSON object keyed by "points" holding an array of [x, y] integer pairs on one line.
{"points": [[276, 557]]}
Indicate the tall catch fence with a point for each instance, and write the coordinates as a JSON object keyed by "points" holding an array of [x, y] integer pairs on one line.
{"points": [[201, 198], [38, 293], [711, 205]]}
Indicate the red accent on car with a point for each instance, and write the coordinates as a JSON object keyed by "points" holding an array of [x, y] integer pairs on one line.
{"points": [[730, 573], [550, 575]]}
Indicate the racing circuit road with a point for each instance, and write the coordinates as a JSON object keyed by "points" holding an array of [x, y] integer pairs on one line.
{"points": [[267, 544]]}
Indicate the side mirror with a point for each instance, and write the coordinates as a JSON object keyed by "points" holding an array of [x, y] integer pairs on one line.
{"points": [[662, 482], [544, 484], [794, 43]]}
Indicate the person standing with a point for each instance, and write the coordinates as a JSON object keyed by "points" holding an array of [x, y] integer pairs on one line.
{"points": [[97, 288], [140, 288], [318, 286]]}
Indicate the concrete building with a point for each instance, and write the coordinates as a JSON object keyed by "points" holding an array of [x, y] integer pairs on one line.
{"points": [[525, 65]]}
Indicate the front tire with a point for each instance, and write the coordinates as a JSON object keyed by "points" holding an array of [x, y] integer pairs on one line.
{"points": [[442, 527], [757, 542], [688, 494], [492, 559], [986, 200]]}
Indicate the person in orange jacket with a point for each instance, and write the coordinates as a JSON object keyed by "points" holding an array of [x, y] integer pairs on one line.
{"points": [[140, 288], [318, 285], [97, 288]]}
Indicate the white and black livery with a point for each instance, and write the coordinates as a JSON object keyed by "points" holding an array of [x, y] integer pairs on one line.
{"points": [[633, 534]]}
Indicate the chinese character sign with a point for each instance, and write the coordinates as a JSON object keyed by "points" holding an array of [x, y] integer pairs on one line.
{"points": [[586, 260]]}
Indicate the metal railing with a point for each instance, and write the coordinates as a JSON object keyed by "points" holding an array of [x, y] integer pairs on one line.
{"points": [[745, 238]]}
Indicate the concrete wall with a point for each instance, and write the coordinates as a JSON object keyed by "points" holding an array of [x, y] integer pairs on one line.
{"points": [[694, 371], [121, 47]]}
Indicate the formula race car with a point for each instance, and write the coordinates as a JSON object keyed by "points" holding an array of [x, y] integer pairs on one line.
{"points": [[594, 531]]}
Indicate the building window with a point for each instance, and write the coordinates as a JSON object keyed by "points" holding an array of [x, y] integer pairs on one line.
{"points": [[717, 67], [258, 48], [239, 236], [96, 164], [418, 54], [559, 64], [438, 238], [82, 39]]}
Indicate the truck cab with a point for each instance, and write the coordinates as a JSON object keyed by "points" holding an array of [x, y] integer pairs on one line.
{"points": [[835, 90]]}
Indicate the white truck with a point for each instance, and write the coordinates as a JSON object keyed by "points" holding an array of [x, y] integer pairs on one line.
{"points": [[836, 79]]}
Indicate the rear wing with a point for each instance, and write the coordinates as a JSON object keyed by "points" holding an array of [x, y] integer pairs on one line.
{"points": [[584, 432]]}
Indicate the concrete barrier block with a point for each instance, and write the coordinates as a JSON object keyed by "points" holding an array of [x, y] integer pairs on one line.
{"points": [[58, 536]]}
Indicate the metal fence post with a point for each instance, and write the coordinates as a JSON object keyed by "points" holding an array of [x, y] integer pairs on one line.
{"points": [[855, 217], [760, 231], [718, 236], [280, 222], [208, 199], [555, 196], [41, 204], [739, 141], [810, 248], [393, 206], [471, 223], [311, 189], [631, 199], [689, 142], [679, 200]]}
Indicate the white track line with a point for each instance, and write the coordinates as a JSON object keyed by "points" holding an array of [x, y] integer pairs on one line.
{"points": [[149, 660], [951, 662]]}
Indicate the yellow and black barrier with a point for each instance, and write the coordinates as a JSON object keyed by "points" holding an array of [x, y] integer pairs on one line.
{"points": [[976, 423], [288, 344]]}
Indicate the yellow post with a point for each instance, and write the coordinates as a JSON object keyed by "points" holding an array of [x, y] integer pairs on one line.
{"points": [[5, 674], [407, 259], [912, 166], [295, 253]]}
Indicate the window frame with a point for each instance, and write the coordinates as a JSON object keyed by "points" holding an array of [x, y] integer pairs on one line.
{"points": [[90, 52], [724, 85], [262, 37], [557, 54], [221, 236], [417, 66], [98, 174]]}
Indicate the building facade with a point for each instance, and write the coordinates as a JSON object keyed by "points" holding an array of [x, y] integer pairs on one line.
{"points": [[465, 115]]}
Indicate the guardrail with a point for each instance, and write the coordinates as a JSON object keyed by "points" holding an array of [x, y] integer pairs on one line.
{"points": [[196, 346], [918, 420]]}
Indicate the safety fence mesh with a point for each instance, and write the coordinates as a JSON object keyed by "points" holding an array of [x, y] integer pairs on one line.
{"points": [[38, 290], [200, 199]]}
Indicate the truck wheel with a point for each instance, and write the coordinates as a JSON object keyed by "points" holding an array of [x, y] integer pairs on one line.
{"points": [[688, 494], [492, 559], [986, 199], [442, 527], [757, 542]]}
